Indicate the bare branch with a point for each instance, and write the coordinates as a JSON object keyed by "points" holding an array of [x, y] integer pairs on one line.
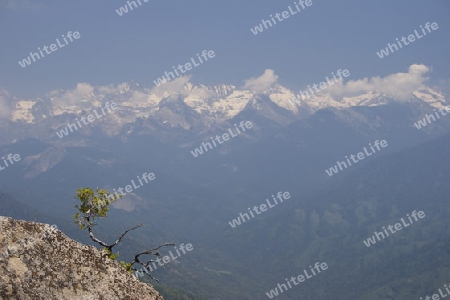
{"points": [[95, 204], [147, 272], [121, 237], [150, 252], [145, 265], [91, 234]]}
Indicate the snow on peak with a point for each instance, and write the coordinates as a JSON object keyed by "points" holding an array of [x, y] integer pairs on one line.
{"points": [[221, 102]]}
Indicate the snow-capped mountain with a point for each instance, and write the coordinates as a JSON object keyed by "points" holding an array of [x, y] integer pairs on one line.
{"points": [[182, 106]]}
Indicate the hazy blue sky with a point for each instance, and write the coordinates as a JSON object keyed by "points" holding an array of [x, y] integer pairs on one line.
{"points": [[147, 41]]}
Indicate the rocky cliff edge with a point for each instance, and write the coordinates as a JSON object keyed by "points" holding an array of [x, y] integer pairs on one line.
{"points": [[40, 262]]}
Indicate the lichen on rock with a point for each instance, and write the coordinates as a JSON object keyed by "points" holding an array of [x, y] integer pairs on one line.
{"points": [[38, 261]]}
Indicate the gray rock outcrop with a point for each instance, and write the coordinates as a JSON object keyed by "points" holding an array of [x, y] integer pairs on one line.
{"points": [[40, 262]]}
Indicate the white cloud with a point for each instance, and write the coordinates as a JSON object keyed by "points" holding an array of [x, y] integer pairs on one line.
{"points": [[261, 83], [173, 87], [399, 85], [111, 89], [139, 97], [73, 97], [200, 92], [5, 107]]}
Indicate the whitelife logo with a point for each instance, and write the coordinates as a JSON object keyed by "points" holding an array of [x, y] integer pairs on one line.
{"points": [[300, 278], [10, 158], [225, 137], [123, 10], [281, 17], [90, 118], [166, 78], [165, 259], [360, 156], [436, 296], [397, 226], [323, 85], [27, 61], [431, 118], [146, 177], [262, 207], [411, 38]]}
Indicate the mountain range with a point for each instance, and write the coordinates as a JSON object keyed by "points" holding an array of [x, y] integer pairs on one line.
{"points": [[179, 108], [192, 199]]}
